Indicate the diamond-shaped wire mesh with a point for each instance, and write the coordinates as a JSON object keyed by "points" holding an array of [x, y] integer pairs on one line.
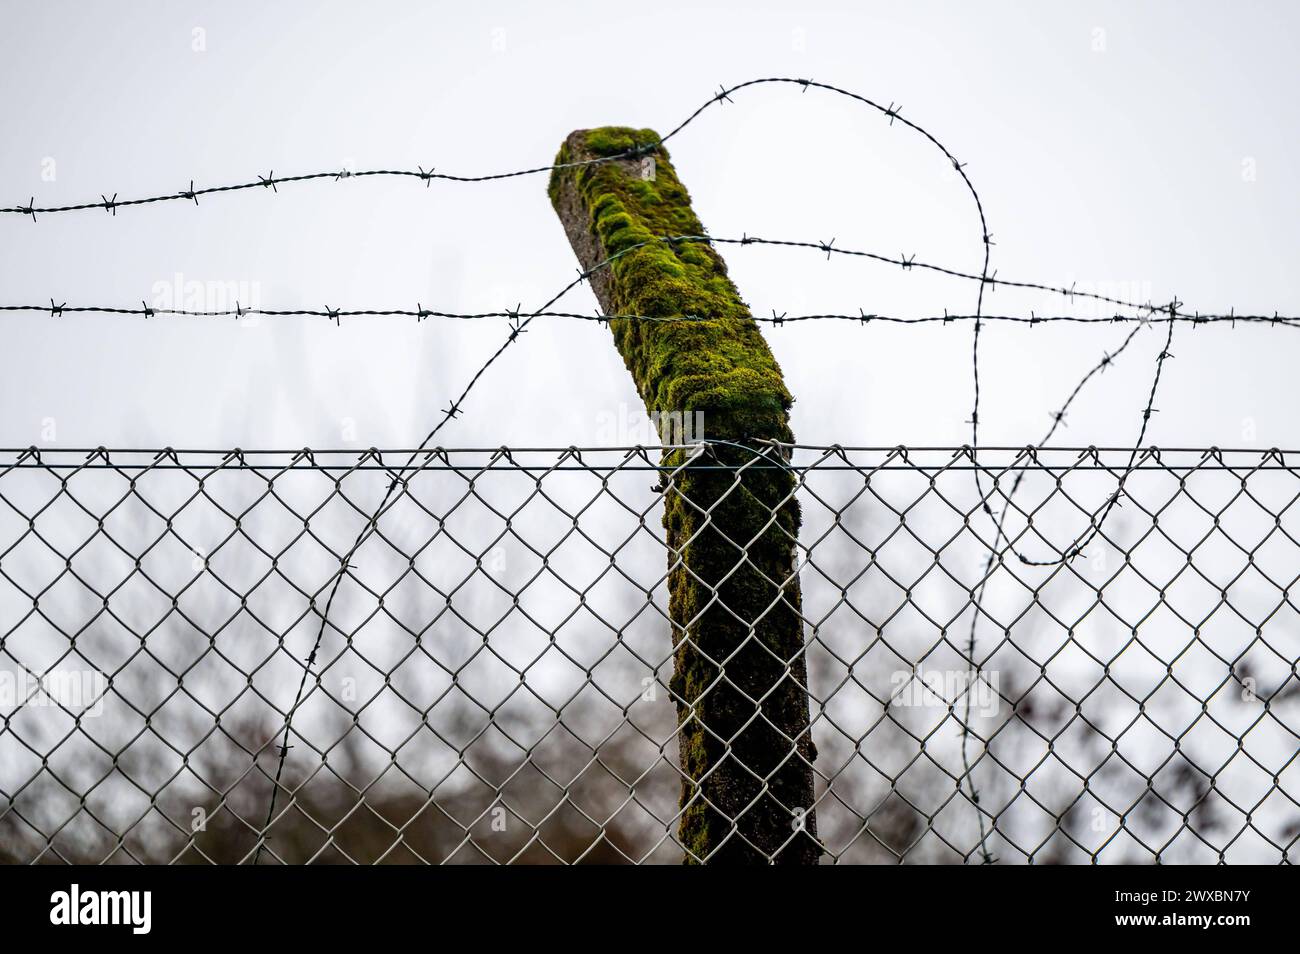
{"points": [[492, 684]]}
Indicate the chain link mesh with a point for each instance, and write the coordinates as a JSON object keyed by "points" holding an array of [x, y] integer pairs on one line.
{"points": [[493, 680]]}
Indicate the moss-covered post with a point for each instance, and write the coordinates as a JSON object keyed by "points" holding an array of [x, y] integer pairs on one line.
{"points": [[739, 673]]}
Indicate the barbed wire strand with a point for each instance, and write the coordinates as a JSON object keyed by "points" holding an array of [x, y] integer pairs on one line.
{"points": [[1154, 313], [1113, 501], [333, 314], [191, 194]]}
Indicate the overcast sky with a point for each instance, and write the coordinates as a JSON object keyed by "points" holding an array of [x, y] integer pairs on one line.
{"points": [[1149, 150]]}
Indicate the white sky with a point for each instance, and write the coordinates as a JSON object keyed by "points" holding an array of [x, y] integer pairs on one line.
{"points": [[1121, 165]]}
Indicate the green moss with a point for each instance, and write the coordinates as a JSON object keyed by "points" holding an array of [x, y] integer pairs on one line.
{"points": [[735, 607], [720, 365]]}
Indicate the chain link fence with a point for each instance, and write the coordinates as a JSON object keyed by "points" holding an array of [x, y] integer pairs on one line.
{"points": [[1021, 655]]}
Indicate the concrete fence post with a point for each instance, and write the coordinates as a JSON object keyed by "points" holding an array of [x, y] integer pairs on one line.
{"points": [[739, 672]]}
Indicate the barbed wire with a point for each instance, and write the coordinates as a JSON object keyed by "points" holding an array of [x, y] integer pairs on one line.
{"points": [[191, 194], [1106, 361], [1095, 524], [862, 318], [112, 203], [906, 262], [1153, 313]]}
